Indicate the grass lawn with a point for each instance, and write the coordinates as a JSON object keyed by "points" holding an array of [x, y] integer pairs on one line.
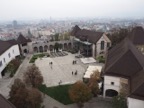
{"points": [[34, 57], [59, 93]]}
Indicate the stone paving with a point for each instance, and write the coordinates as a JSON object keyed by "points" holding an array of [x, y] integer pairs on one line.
{"points": [[6, 82], [61, 69]]}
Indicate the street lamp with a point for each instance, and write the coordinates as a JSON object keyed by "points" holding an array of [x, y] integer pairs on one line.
{"points": [[87, 47]]}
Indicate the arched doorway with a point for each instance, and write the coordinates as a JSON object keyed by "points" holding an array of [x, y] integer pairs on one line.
{"points": [[69, 45], [35, 49], [60, 46], [111, 93], [65, 45], [25, 51], [51, 47], [41, 49], [45, 48], [3, 73]]}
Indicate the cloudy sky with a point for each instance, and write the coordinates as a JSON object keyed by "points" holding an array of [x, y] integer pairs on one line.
{"points": [[42, 9]]}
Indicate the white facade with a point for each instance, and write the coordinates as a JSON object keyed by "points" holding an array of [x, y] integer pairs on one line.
{"points": [[26, 48], [111, 83], [135, 103], [7, 56], [106, 41]]}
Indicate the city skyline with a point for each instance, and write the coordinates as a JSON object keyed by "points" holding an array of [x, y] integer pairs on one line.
{"points": [[43, 9]]}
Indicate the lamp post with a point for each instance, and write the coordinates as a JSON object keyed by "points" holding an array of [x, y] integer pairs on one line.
{"points": [[87, 47]]}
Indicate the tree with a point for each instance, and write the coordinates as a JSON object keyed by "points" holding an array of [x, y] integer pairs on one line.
{"points": [[118, 36], [34, 98], [80, 93], [66, 36], [18, 94], [13, 66], [56, 46], [33, 76], [56, 36], [23, 97], [119, 102], [93, 82]]}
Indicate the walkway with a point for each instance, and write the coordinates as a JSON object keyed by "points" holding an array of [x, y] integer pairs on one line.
{"points": [[6, 82], [93, 103], [62, 67]]}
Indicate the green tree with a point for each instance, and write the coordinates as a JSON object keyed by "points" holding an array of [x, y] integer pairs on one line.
{"points": [[13, 66], [119, 102], [33, 76], [56, 46], [119, 35], [80, 93], [66, 36], [56, 37]]}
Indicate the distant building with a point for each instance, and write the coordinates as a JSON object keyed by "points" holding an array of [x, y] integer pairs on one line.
{"points": [[15, 24], [90, 43], [25, 45]]}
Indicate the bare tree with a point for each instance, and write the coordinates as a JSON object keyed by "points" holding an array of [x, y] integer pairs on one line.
{"points": [[33, 76], [18, 94], [23, 97], [34, 98]]}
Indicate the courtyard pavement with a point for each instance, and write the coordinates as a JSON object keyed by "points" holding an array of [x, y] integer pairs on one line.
{"points": [[61, 69], [6, 82]]}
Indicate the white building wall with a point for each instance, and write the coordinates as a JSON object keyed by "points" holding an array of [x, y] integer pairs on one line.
{"points": [[13, 51], [98, 44], [108, 85], [135, 103], [94, 51]]}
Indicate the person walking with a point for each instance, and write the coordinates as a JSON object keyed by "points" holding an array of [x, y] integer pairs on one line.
{"points": [[72, 72]]}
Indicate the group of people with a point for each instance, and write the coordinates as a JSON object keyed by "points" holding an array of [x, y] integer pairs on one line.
{"points": [[75, 73], [74, 62]]}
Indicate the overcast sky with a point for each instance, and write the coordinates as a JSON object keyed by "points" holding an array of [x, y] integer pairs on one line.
{"points": [[42, 9]]}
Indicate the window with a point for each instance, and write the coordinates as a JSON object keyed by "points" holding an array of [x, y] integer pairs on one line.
{"points": [[4, 59], [108, 45], [102, 45], [112, 83], [0, 63], [9, 55], [25, 44]]}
